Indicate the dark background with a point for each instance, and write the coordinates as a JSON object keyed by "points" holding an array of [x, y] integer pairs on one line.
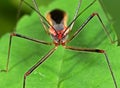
{"points": [[8, 13]]}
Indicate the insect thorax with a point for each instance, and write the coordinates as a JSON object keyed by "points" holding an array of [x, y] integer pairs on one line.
{"points": [[57, 18]]}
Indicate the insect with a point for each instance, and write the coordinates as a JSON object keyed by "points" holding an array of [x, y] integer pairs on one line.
{"points": [[59, 31]]}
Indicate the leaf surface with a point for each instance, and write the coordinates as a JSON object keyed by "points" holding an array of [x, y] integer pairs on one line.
{"points": [[64, 68]]}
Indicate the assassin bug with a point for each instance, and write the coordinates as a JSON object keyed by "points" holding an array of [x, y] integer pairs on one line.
{"points": [[59, 31]]}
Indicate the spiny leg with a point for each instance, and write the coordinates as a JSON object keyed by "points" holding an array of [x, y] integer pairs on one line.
{"points": [[86, 22], [24, 37], [97, 51], [37, 64]]}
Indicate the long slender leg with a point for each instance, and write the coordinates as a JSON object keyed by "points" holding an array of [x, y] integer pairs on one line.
{"points": [[31, 39], [24, 37], [19, 9], [97, 51], [37, 64], [71, 23], [36, 8], [10, 39], [5, 70], [76, 13], [84, 24], [41, 16], [41, 20]]}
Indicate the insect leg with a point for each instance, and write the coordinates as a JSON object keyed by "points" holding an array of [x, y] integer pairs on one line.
{"points": [[72, 22], [19, 9], [24, 37], [6, 70], [37, 64], [45, 22], [97, 51], [76, 13], [84, 24], [31, 39], [41, 20]]}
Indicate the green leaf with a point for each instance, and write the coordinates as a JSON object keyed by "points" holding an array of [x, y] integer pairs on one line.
{"points": [[64, 68], [112, 14]]}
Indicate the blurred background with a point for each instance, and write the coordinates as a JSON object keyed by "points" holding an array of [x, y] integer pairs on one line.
{"points": [[7, 16], [9, 10], [8, 13]]}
